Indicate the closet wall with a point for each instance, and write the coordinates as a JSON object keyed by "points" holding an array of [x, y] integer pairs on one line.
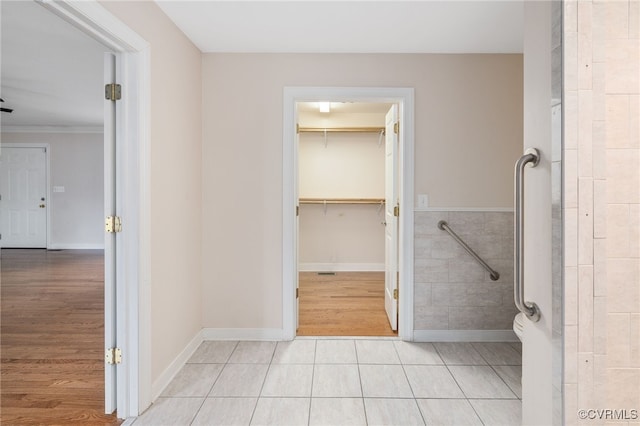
{"points": [[338, 165]]}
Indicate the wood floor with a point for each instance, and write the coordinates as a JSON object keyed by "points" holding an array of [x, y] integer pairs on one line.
{"points": [[51, 335], [344, 304]]}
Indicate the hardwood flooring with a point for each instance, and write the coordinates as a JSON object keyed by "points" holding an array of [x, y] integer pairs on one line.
{"points": [[51, 336], [344, 304]]}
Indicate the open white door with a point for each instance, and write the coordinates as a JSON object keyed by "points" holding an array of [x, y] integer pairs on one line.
{"points": [[110, 332], [536, 219], [391, 217], [23, 192], [296, 186]]}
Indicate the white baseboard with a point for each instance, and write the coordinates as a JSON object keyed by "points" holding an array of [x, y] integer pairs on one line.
{"points": [[464, 336], [170, 372], [341, 267], [243, 334], [73, 246]]}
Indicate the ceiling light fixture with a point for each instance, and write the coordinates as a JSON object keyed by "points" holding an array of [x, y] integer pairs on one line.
{"points": [[324, 106]]}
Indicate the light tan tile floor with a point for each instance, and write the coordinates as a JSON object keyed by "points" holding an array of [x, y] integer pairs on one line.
{"points": [[328, 381]]}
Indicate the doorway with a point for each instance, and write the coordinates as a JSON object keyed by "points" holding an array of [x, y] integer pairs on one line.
{"points": [[344, 173], [403, 98]]}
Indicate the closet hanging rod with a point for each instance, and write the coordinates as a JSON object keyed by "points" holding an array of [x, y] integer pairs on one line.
{"points": [[340, 129], [341, 200]]}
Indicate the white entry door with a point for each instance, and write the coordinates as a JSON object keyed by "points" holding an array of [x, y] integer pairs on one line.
{"points": [[391, 217], [23, 202]]}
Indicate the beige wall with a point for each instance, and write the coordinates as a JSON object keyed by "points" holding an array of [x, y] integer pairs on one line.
{"points": [[602, 207], [468, 136], [76, 162], [176, 185]]}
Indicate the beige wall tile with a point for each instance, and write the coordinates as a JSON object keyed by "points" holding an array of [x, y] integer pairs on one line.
{"points": [[623, 295], [618, 344], [571, 354], [585, 47], [585, 133], [585, 308], [570, 120], [585, 380], [571, 295], [617, 19], [600, 267], [623, 176], [634, 120], [599, 79], [599, 208], [599, 24], [622, 66], [571, 178], [618, 230], [634, 19], [585, 221], [570, 16], [571, 404], [599, 148], [634, 340], [618, 125], [600, 325], [570, 64], [634, 230], [571, 237], [622, 387], [599, 375]]}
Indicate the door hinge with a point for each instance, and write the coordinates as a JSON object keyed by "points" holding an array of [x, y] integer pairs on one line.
{"points": [[396, 127], [396, 210], [297, 128], [296, 293], [113, 224], [297, 210], [113, 92], [113, 356], [395, 294]]}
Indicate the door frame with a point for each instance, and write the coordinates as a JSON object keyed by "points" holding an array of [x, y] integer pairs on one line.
{"points": [[404, 97], [47, 178], [133, 143]]}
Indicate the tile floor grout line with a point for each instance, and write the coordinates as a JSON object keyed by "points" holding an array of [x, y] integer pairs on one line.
{"points": [[313, 374], [415, 400], [364, 406]]}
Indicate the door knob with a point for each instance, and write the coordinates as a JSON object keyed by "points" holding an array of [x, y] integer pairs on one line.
{"points": [[42, 206]]}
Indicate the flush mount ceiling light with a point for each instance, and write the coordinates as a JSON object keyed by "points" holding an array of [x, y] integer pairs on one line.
{"points": [[324, 106]]}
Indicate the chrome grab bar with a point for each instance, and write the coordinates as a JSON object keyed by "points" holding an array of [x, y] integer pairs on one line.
{"points": [[493, 273], [530, 309]]}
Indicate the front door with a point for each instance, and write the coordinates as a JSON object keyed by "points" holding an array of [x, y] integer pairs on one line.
{"points": [[23, 202]]}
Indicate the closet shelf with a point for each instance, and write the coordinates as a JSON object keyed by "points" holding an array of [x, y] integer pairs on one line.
{"points": [[342, 200], [340, 129]]}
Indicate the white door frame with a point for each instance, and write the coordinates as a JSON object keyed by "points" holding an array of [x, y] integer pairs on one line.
{"points": [[405, 99], [47, 178], [132, 141]]}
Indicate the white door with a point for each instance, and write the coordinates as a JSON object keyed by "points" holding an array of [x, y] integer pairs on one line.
{"points": [[537, 372], [296, 183], [391, 218], [23, 192], [110, 331]]}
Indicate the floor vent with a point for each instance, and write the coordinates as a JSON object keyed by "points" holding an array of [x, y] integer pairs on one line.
{"points": [[326, 273]]}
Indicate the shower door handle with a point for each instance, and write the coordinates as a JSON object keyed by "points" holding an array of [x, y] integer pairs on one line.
{"points": [[530, 309]]}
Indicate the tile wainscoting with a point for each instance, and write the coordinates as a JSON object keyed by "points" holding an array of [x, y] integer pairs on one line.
{"points": [[452, 291]]}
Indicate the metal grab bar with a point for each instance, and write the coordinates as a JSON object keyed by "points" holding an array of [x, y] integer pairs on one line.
{"points": [[530, 309], [494, 275]]}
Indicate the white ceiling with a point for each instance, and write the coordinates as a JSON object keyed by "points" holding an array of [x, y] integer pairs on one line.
{"points": [[351, 26], [51, 71]]}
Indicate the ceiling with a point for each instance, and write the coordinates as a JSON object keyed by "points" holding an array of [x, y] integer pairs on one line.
{"points": [[451, 26], [52, 72], [347, 107]]}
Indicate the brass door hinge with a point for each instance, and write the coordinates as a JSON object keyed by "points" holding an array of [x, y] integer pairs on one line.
{"points": [[297, 210], [297, 128], [113, 356], [396, 127], [113, 224], [113, 92], [296, 293], [395, 294], [396, 210]]}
